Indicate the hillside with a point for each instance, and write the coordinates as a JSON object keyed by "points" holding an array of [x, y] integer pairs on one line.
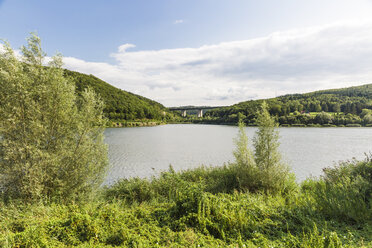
{"points": [[120, 104], [344, 106]]}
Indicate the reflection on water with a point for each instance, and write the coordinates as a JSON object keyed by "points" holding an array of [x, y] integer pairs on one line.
{"points": [[146, 151]]}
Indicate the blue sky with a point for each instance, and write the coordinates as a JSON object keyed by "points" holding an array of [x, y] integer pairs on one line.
{"points": [[210, 52]]}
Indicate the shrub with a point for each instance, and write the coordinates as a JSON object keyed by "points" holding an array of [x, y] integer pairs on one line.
{"points": [[345, 192], [220, 179], [52, 141], [131, 190]]}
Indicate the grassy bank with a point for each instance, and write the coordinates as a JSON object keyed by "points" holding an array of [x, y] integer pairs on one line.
{"points": [[138, 123], [203, 207]]}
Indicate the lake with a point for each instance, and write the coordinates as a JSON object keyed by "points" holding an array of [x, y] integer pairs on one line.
{"points": [[146, 151]]}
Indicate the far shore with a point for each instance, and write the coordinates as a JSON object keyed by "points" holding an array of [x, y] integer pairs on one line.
{"points": [[124, 124]]}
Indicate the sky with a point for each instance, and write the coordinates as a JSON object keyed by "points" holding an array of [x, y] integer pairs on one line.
{"points": [[203, 52]]}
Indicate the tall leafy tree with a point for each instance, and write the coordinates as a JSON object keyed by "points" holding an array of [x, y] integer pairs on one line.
{"points": [[243, 155], [51, 143], [273, 173], [244, 168]]}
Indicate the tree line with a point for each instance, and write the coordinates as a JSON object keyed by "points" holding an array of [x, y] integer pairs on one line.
{"points": [[348, 106]]}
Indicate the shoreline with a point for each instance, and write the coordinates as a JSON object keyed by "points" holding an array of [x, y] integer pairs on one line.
{"points": [[124, 124]]}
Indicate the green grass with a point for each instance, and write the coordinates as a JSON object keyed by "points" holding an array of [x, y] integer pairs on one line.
{"points": [[203, 207]]}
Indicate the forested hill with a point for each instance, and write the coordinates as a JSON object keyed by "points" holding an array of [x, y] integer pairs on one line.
{"points": [[120, 104], [355, 91], [344, 106]]}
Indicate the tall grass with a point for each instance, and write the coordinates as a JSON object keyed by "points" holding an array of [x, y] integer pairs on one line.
{"points": [[177, 209], [345, 192]]}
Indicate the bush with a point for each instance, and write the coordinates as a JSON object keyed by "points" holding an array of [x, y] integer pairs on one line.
{"points": [[52, 140], [345, 192], [219, 179], [131, 190]]}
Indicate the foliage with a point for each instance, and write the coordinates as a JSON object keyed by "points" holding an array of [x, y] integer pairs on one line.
{"points": [[119, 104], [243, 155], [345, 192], [323, 118], [245, 171], [273, 174], [266, 141], [367, 119], [51, 143], [181, 213], [193, 208], [265, 171], [345, 106], [51, 148]]}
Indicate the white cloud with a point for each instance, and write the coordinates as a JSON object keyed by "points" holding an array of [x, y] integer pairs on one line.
{"points": [[178, 21], [301, 60], [124, 47]]}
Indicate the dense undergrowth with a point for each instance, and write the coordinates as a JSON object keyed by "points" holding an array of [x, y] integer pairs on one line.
{"points": [[203, 207]]}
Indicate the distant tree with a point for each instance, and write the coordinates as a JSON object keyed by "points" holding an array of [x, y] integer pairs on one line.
{"points": [[51, 144], [318, 108], [352, 119], [347, 108], [336, 107], [358, 107], [241, 117], [285, 110], [367, 119], [323, 118], [353, 109], [366, 112], [276, 109], [324, 107], [233, 118]]}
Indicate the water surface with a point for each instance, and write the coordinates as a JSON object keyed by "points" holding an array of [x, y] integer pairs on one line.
{"points": [[146, 151]]}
